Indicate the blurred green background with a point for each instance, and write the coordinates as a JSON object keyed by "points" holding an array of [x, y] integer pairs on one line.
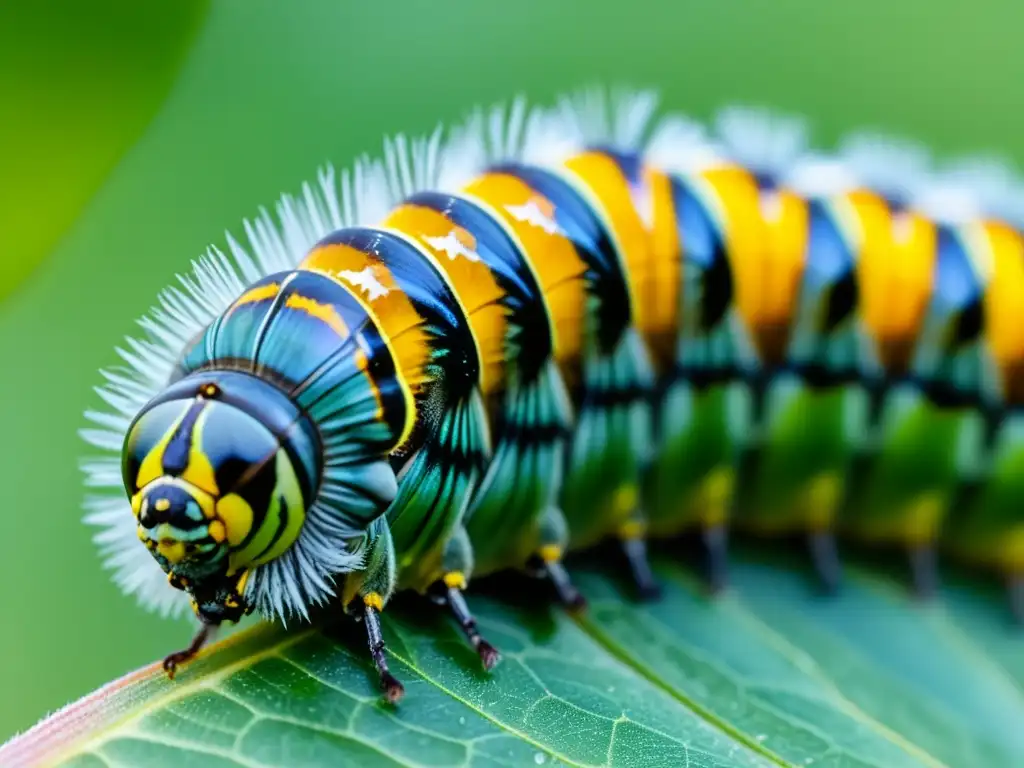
{"points": [[132, 134]]}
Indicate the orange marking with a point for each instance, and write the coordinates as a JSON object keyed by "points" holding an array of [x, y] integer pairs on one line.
{"points": [[766, 236], [370, 282], [1003, 250], [259, 293], [895, 271], [453, 251], [323, 312], [551, 255]]}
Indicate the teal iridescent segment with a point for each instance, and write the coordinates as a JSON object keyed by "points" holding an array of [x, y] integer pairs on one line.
{"points": [[987, 524]]}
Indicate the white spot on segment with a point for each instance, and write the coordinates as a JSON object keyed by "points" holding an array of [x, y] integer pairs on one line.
{"points": [[365, 281], [530, 213], [451, 246]]}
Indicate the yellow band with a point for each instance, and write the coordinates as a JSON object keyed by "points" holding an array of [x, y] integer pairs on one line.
{"points": [[373, 600]]}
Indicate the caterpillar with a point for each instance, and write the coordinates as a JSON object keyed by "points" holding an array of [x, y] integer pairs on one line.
{"points": [[553, 326]]}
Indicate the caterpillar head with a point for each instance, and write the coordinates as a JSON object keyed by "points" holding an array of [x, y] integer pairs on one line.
{"points": [[220, 470]]}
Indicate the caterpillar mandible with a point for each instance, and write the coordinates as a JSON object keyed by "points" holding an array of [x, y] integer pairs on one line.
{"points": [[551, 326]]}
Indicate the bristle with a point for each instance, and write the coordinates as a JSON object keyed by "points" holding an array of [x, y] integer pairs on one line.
{"points": [[817, 175], [768, 143], [896, 168], [681, 145], [972, 187]]}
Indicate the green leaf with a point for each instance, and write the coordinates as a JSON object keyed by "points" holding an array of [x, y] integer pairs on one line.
{"points": [[770, 674], [80, 83]]}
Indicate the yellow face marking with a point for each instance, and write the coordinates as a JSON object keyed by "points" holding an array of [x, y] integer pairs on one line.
{"points": [[211, 390], [373, 600], [217, 531], [171, 549], [895, 271], [199, 471], [235, 515], [286, 492], [152, 466], [137, 501], [161, 505], [258, 294], [452, 251], [323, 312], [560, 272]]}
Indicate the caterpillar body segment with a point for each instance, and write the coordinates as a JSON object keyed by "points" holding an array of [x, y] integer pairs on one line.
{"points": [[565, 325]]}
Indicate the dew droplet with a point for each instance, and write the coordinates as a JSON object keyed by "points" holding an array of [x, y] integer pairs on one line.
{"points": [[761, 737], [611, 689], [462, 721], [539, 758]]}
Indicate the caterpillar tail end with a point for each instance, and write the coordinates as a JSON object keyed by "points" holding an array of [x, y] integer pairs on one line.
{"points": [[825, 560]]}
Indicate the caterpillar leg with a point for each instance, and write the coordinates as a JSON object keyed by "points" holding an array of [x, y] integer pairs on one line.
{"points": [[821, 543], [176, 659], [453, 585], [924, 570], [631, 536], [458, 562], [1015, 595], [377, 583], [715, 537], [372, 606], [547, 562]]}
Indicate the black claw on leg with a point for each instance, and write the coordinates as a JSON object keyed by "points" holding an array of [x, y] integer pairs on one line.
{"points": [[489, 655], [647, 585], [716, 554], [924, 571], [568, 595], [176, 659], [393, 690], [825, 559]]}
